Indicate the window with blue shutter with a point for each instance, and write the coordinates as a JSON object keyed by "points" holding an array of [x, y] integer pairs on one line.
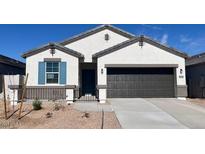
{"points": [[41, 73], [52, 72], [62, 72]]}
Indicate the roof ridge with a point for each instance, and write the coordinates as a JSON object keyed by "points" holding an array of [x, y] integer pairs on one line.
{"points": [[115, 47], [57, 44], [10, 58], [36, 48], [95, 30], [197, 55], [111, 26], [165, 45], [47, 46], [137, 38], [11, 61], [196, 59]]}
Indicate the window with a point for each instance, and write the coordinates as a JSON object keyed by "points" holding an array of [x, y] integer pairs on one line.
{"points": [[52, 72]]}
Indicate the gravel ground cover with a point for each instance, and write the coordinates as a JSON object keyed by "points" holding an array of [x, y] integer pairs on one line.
{"points": [[197, 101], [57, 116]]}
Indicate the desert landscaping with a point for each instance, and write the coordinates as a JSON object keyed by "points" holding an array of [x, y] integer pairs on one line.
{"points": [[56, 115], [89, 115]]}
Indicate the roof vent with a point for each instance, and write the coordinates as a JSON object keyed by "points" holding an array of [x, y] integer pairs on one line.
{"points": [[52, 50], [141, 43], [107, 37]]}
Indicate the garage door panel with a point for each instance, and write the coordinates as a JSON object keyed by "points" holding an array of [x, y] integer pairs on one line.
{"points": [[140, 82]]}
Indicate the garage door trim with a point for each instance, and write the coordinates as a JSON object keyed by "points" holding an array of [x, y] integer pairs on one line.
{"points": [[142, 65]]}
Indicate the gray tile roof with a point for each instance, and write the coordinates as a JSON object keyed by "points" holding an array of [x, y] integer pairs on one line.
{"points": [[196, 59], [132, 39], [12, 62], [55, 46], [115, 48], [136, 39], [96, 30]]}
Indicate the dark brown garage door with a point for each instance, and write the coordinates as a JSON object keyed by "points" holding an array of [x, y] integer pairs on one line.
{"points": [[140, 82]]}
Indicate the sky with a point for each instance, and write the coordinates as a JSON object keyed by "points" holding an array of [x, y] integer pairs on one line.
{"points": [[17, 39]]}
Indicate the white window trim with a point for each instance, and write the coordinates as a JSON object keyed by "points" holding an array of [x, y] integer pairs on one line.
{"points": [[52, 84]]}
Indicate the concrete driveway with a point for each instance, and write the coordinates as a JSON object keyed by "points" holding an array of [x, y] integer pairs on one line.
{"points": [[158, 113]]}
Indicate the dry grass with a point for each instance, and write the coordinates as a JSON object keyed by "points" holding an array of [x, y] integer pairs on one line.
{"points": [[64, 117]]}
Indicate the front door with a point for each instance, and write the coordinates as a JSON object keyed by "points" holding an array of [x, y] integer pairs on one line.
{"points": [[88, 82]]}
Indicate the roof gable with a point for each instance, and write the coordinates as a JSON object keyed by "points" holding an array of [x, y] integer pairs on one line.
{"points": [[51, 46], [96, 30], [137, 39]]}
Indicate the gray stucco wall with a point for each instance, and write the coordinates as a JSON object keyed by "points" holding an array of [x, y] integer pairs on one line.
{"points": [[1, 80], [11, 70], [196, 80]]}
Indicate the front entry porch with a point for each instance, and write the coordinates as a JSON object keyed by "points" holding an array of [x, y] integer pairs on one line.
{"points": [[88, 82]]}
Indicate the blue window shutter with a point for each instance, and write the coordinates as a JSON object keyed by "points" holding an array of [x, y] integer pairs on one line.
{"points": [[62, 72], [41, 73]]}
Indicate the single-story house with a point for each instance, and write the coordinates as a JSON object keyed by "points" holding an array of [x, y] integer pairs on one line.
{"points": [[9, 66], [195, 72], [13, 71], [105, 62]]}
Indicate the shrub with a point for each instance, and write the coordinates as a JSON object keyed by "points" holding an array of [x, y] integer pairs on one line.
{"points": [[49, 115], [58, 106], [37, 104], [85, 115]]}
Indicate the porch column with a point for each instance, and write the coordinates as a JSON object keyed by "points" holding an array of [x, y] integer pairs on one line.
{"points": [[70, 93], [102, 95]]}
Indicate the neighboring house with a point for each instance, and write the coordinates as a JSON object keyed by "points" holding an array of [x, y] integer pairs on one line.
{"points": [[105, 62], [195, 72], [9, 66], [12, 70]]}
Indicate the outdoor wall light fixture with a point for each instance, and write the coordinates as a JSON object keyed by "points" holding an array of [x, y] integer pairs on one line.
{"points": [[101, 70], [141, 43], [181, 71]]}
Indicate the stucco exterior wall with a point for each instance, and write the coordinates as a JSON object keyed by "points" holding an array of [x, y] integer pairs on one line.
{"points": [[32, 67], [95, 43], [134, 54]]}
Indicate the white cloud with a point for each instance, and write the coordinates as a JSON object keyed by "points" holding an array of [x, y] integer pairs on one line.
{"points": [[185, 39], [152, 27], [195, 45], [164, 39]]}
